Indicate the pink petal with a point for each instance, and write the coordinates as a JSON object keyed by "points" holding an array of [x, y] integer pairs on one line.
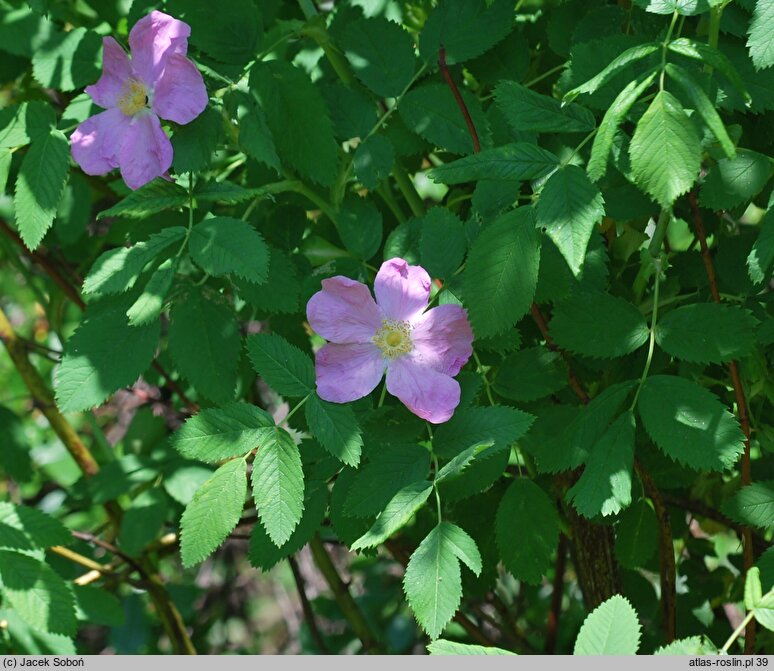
{"points": [[402, 291], [95, 143], [443, 338], [146, 152], [426, 392], [116, 69], [180, 95], [153, 40], [344, 311], [347, 372]]}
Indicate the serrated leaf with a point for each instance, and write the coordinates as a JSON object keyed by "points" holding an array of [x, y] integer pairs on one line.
{"points": [[360, 227], [373, 160], [154, 197], [205, 344], [40, 597], [500, 425], [531, 374], [707, 333], [442, 244], [255, 137], [68, 60], [213, 512], [278, 486], [753, 591], [220, 433], [223, 246], [761, 41], [598, 324], [194, 143], [383, 476], [734, 181], [612, 628], [752, 505], [526, 530], [142, 521], [26, 529], [605, 487], [147, 307], [526, 110], [693, 645], [761, 255], [298, 119], [381, 54], [637, 535], [443, 647], [21, 124], [501, 273], [711, 56], [519, 161], [228, 192], [431, 112], [689, 424], [703, 106], [665, 150], [568, 209], [764, 611], [104, 354], [336, 427], [39, 186], [459, 463], [97, 606], [463, 546], [279, 293], [396, 514], [615, 114], [117, 270], [682, 7], [284, 367]]}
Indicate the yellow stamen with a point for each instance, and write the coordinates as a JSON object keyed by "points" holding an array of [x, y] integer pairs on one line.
{"points": [[394, 338], [133, 98]]}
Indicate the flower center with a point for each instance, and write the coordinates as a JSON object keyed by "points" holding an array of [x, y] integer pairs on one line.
{"points": [[394, 338], [133, 97]]}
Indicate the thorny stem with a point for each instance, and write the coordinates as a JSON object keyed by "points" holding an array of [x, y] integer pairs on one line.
{"points": [[458, 97]]}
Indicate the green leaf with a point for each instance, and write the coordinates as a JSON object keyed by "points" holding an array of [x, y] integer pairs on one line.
{"points": [[68, 61], [605, 487], [154, 197], [501, 273], [637, 536], [526, 530], [531, 374], [284, 367], [764, 611], [443, 244], [707, 333], [184, 480], [142, 521], [383, 477], [223, 246], [500, 425], [117, 270], [682, 7], [703, 106], [459, 463], [753, 590], [336, 427], [761, 41], [693, 645], [734, 181], [432, 581], [95, 605], [194, 143], [526, 110], [443, 647], [104, 354], [598, 324], [612, 628], [5, 167], [360, 226], [280, 291], [205, 344], [255, 137], [752, 505], [608, 128], [615, 66], [147, 308], [298, 119], [569, 208], [665, 150], [39, 186], [278, 486], [398, 512], [432, 112], [381, 54], [215, 434], [15, 456], [373, 161], [40, 597], [519, 161], [689, 424], [711, 56], [463, 546], [465, 28], [26, 529], [213, 512], [21, 124], [762, 253]]}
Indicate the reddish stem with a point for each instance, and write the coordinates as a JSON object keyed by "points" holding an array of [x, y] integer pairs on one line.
{"points": [[458, 97]]}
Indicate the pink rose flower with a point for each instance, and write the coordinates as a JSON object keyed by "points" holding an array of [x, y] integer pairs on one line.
{"points": [[421, 351], [158, 81]]}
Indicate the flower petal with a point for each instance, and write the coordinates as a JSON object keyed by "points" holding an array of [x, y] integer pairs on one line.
{"points": [[402, 291], [443, 338], [426, 392], [153, 40], [344, 311], [180, 94], [116, 69], [146, 152], [347, 372], [95, 143]]}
